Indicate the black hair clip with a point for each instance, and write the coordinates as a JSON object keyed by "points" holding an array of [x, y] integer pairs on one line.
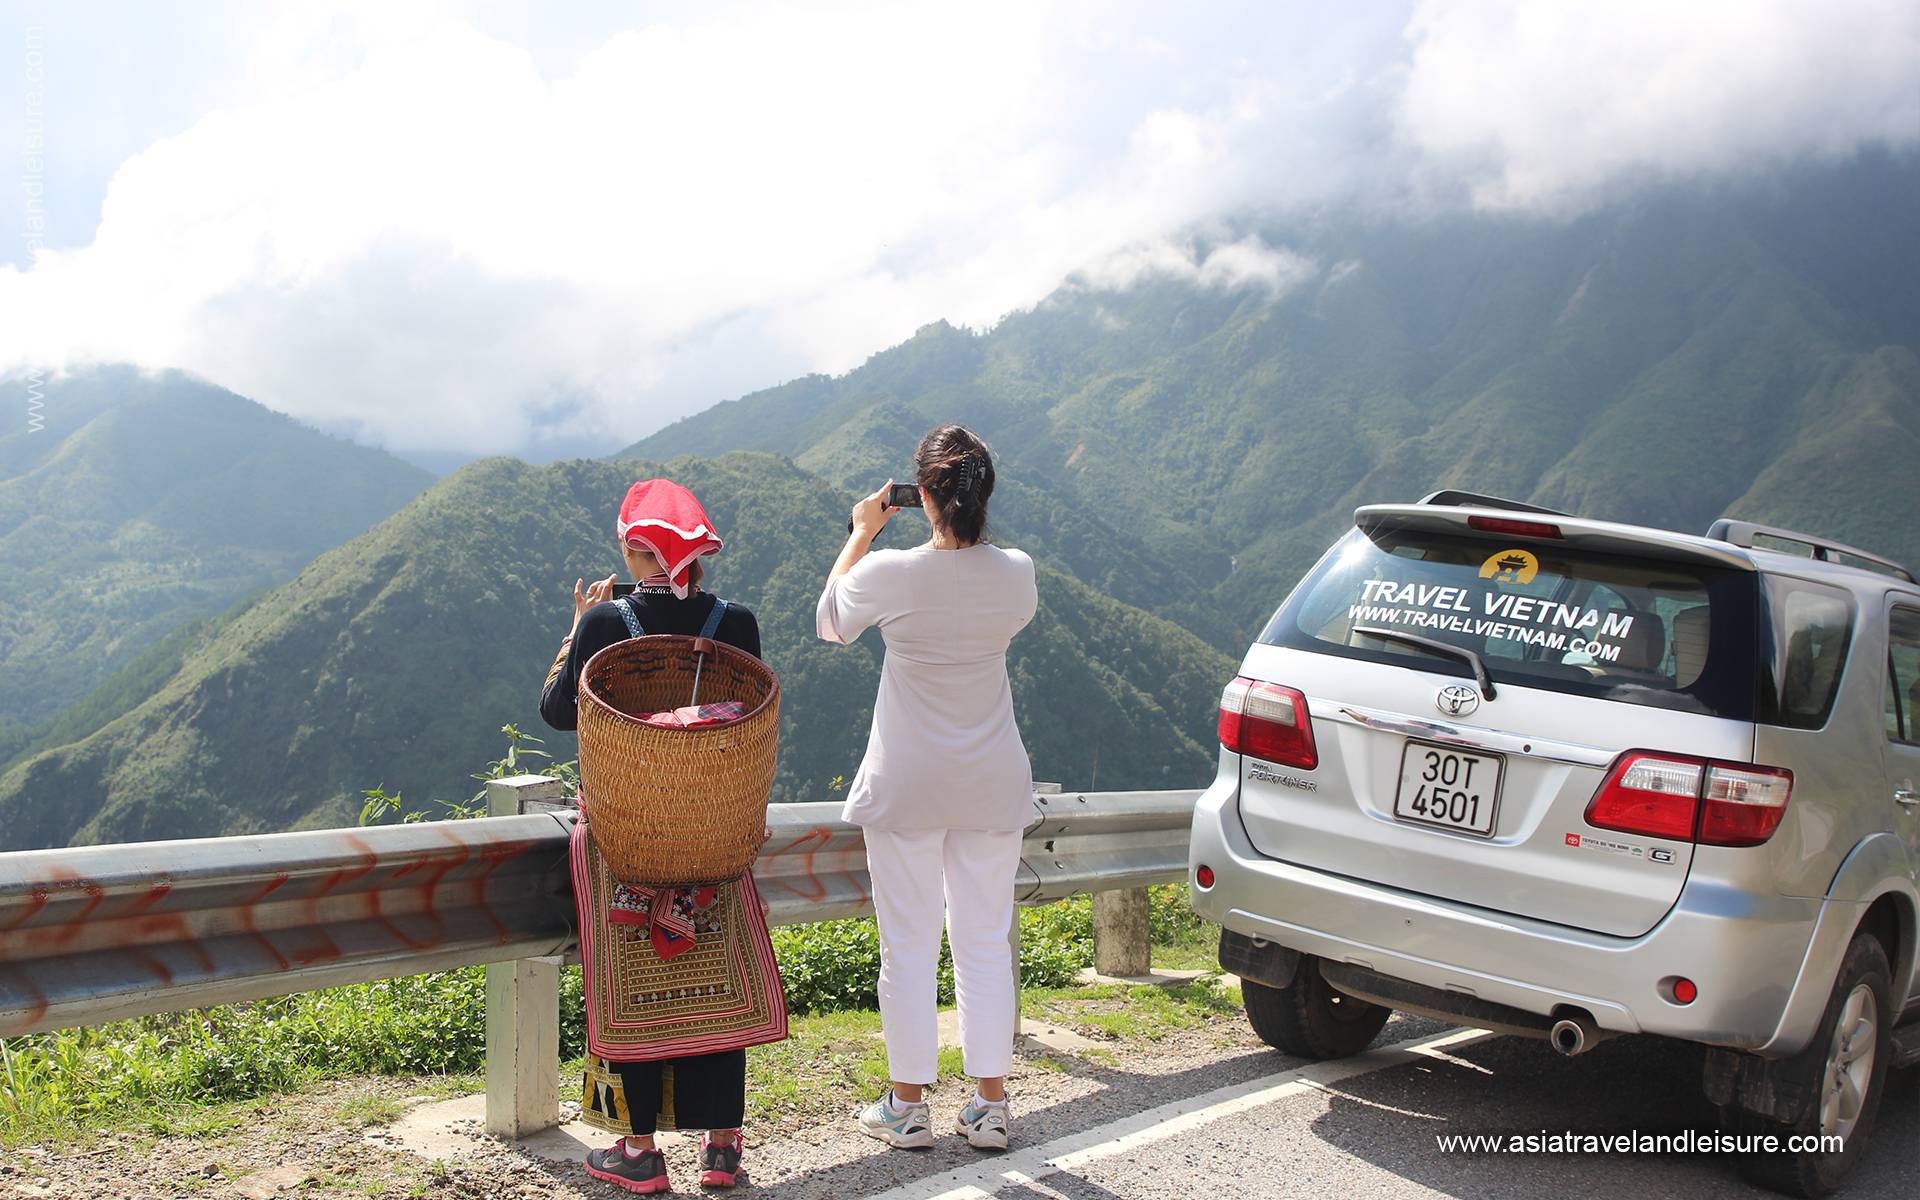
{"points": [[973, 468]]}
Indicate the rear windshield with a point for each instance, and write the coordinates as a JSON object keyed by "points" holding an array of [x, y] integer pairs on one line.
{"points": [[1639, 631]]}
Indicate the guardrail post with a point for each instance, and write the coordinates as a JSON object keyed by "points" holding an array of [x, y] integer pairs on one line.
{"points": [[523, 1002], [1122, 933]]}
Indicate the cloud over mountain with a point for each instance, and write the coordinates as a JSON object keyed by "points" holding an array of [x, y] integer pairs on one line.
{"points": [[439, 230]]}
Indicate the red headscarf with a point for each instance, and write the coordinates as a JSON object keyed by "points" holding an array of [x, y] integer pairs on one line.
{"points": [[661, 516]]}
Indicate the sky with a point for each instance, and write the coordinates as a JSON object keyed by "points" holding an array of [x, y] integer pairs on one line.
{"points": [[453, 229]]}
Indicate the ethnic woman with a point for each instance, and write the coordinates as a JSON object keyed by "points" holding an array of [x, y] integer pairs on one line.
{"points": [[678, 981]]}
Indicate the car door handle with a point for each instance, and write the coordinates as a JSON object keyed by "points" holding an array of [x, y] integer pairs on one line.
{"points": [[1906, 796]]}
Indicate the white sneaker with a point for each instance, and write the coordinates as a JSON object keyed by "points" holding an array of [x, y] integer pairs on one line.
{"points": [[908, 1128], [984, 1124]]}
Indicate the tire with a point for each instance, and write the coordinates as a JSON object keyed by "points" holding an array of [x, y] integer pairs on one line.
{"points": [[1831, 1069], [1308, 1019]]}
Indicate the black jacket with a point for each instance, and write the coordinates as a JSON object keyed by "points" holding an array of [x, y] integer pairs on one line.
{"points": [[660, 612]]}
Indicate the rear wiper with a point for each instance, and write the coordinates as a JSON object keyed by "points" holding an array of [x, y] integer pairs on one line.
{"points": [[1437, 647]]}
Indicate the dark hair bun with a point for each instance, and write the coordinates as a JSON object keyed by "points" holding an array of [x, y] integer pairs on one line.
{"points": [[956, 468]]}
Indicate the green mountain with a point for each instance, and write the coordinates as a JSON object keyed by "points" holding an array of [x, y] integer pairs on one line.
{"points": [[1173, 452], [395, 659], [146, 503], [1745, 351]]}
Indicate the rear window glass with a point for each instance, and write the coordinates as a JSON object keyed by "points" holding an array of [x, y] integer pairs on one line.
{"points": [[1639, 631]]}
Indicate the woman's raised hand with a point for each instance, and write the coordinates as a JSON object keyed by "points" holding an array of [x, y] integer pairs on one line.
{"points": [[597, 592], [871, 513]]}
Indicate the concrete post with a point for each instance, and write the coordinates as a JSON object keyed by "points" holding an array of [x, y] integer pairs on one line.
{"points": [[523, 1001], [1122, 933]]}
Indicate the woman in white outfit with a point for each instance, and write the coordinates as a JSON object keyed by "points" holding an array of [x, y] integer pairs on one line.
{"points": [[945, 790]]}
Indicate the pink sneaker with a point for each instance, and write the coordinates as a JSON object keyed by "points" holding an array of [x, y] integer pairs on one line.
{"points": [[719, 1165], [645, 1172]]}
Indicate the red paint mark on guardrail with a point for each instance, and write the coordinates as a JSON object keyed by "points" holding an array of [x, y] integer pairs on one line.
{"points": [[72, 927], [493, 855], [814, 890], [399, 934], [155, 895], [34, 905], [273, 952], [368, 861], [37, 1003], [266, 889], [161, 927], [463, 854], [312, 945], [201, 958], [160, 969]]}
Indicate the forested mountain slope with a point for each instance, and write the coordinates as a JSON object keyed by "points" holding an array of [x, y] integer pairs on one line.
{"points": [[1744, 351], [148, 501], [395, 660]]}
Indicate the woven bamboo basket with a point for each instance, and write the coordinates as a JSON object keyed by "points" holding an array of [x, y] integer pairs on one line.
{"points": [[670, 806]]}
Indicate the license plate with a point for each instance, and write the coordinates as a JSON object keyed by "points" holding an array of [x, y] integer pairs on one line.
{"points": [[1448, 788]]}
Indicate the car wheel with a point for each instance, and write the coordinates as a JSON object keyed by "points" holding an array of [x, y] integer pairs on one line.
{"points": [[1308, 1018], [1844, 1075]]}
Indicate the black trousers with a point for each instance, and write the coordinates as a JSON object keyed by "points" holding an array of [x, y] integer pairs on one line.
{"points": [[709, 1091]]}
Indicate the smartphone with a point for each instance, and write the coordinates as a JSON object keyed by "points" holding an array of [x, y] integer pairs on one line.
{"points": [[625, 589], [900, 495]]}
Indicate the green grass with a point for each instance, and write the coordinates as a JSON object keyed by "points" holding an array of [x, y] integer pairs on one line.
{"points": [[1136, 1012], [361, 1112], [829, 1061], [194, 1073]]}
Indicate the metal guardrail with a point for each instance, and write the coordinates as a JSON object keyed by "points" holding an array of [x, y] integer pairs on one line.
{"points": [[98, 933], [93, 934]]}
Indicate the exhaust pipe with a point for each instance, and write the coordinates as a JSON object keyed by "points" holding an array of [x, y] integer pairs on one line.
{"points": [[1575, 1034]]}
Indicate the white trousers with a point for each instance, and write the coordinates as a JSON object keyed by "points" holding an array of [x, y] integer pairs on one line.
{"points": [[969, 874]]}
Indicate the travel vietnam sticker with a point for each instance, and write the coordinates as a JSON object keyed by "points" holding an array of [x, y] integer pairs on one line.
{"points": [[1510, 566], [1577, 630]]}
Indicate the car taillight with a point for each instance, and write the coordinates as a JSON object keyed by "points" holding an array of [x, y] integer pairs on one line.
{"points": [[1513, 528], [1691, 800], [1269, 722], [1743, 804], [1649, 794]]}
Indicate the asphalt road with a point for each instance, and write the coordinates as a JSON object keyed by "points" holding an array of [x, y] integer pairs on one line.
{"points": [[1250, 1122]]}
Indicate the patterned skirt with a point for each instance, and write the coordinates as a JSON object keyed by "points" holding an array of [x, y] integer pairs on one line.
{"points": [[672, 973]]}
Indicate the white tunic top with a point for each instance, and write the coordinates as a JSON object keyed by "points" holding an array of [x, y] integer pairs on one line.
{"points": [[944, 752]]}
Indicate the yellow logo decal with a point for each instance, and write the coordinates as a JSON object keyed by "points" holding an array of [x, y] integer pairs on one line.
{"points": [[1510, 566]]}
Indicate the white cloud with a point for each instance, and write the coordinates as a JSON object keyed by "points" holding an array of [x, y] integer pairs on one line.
{"points": [[411, 223], [1556, 106], [1246, 263]]}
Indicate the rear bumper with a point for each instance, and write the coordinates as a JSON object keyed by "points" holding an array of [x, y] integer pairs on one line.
{"points": [[1763, 965]]}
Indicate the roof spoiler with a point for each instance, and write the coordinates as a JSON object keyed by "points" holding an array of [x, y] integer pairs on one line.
{"points": [[1751, 536], [1453, 498]]}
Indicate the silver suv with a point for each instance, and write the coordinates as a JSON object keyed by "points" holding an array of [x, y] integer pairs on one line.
{"points": [[1573, 779]]}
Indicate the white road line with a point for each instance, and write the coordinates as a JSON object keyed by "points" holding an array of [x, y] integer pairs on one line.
{"points": [[1167, 1120]]}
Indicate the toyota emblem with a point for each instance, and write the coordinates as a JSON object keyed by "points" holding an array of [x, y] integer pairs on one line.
{"points": [[1457, 700]]}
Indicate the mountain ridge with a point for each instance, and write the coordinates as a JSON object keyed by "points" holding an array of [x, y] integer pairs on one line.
{"points": [[1666, 362], [395, 660], [148, 501]]}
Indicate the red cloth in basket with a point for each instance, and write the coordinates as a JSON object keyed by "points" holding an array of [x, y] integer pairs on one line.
{"points": [[698, 716]]}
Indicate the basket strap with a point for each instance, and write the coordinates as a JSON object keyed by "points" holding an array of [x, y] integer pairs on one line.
{"points": [[631, 616], [713, 619]]}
